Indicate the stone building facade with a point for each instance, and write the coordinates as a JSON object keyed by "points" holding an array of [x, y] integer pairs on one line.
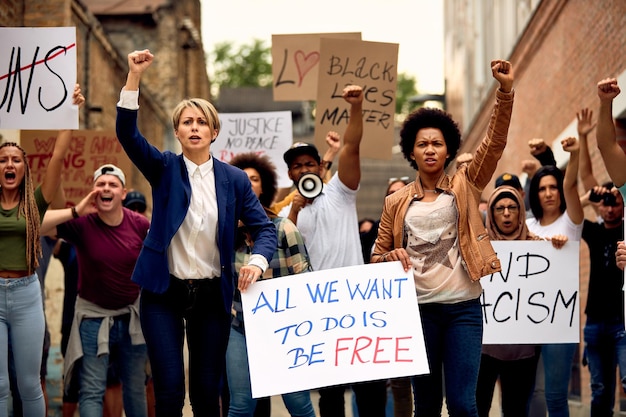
{"points": [[106, 31]]}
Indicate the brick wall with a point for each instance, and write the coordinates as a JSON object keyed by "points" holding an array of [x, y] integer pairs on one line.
{"points": [[46, 13], [559, 66], [102, 47], [583, 44], [12, 14]]}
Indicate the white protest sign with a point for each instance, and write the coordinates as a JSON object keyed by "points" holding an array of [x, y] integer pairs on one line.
{"points": [[37, 79], [535, 299], [331, 327], [265, 133]]}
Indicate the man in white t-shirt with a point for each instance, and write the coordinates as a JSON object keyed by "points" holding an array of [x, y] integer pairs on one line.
{"points": [[329, 226], [329, 222]]}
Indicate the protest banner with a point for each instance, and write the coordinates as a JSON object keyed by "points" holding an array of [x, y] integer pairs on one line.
{"points": [[371, 65], [264, 133], [89, 150], [295, 64], [38, 77], [535, 299], [332, 327]]}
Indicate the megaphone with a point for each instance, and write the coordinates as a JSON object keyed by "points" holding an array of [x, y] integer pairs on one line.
{"points": [[310, 185]]}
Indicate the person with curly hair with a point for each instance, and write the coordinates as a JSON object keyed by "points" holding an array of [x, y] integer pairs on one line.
{"points": [[22, 321], [291, 257], [433, 226]]}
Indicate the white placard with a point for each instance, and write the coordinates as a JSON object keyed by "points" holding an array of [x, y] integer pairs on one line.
{"points": [[333, 327], [37, 78], [265, 133], [535, 299]]}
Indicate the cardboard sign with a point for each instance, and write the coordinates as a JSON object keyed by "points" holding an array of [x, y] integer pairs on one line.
{"points": [[88, 151], [333, 327], [265, 133], [374, 67], [37, 78], [295, 64], [535, 299]]}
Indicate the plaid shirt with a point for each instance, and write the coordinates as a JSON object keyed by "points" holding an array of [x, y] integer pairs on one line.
{"points": [[291, 257]]}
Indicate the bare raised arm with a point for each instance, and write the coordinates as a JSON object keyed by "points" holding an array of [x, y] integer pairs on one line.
{"points": [[570, 182], [612, 154], [53, 218], [52, 180], [349, 170], [333, 139], [584, 126]]}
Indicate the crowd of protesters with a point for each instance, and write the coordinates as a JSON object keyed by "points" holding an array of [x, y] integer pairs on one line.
{"points": [[144, 288]]}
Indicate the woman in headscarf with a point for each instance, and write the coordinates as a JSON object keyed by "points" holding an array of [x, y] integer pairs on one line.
{"points": [[515, 365]]}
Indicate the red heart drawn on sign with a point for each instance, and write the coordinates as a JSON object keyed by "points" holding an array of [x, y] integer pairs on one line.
{"points": [[305, 63]]}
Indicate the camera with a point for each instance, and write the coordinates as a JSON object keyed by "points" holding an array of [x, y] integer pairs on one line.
{"points": [[607, 198]]}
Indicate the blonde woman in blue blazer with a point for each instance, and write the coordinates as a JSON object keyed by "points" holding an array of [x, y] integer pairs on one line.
{"points": [[185, 266]]}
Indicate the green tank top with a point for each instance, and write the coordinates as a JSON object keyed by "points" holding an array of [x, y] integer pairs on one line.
{"points": [[13, 236]]}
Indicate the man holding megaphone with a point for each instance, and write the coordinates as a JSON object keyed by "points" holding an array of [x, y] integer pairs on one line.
{"points": [[326, 216]]}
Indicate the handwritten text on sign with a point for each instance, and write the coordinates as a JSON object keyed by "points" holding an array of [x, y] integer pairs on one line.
{"points": [[37, 78], [371, 65], [333, 327], [295, 64], [535, 299], [88, 151], [264, 133]]}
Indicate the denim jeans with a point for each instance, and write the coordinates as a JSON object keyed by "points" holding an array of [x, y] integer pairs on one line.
{"points": [[241, 402], [199, 311], [131, 364], [557, 365], [453, 335], [22, 320], [402, 396], [370, 398], [517, 380], [605, 348]]}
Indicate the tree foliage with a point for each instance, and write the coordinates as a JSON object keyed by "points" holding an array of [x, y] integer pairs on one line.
{"points": [[405, 89], [242, 66]]}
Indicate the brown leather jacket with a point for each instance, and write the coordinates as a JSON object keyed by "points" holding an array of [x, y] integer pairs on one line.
{"points": [[466, 185]]}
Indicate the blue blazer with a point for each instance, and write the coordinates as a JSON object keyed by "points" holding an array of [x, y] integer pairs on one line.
{"points": [[171, 193]]}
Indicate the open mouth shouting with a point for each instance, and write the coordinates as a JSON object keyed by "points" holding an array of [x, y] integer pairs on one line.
{"points": [[106, 200], [9, 179], [10, 176]]}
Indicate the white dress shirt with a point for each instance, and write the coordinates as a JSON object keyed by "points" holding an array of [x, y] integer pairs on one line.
{"points": [[193, 252]]}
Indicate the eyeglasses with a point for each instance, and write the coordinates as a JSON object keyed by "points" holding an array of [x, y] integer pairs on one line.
{"points": [[511, 209], [394, 179]]}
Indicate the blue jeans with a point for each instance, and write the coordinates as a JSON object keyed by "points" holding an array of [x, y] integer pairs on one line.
{"points": [[241, 402], [131, 361], [517, 380], [605, 348], [557, 364], [453, 335], [22, 320], [198, 309]]}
